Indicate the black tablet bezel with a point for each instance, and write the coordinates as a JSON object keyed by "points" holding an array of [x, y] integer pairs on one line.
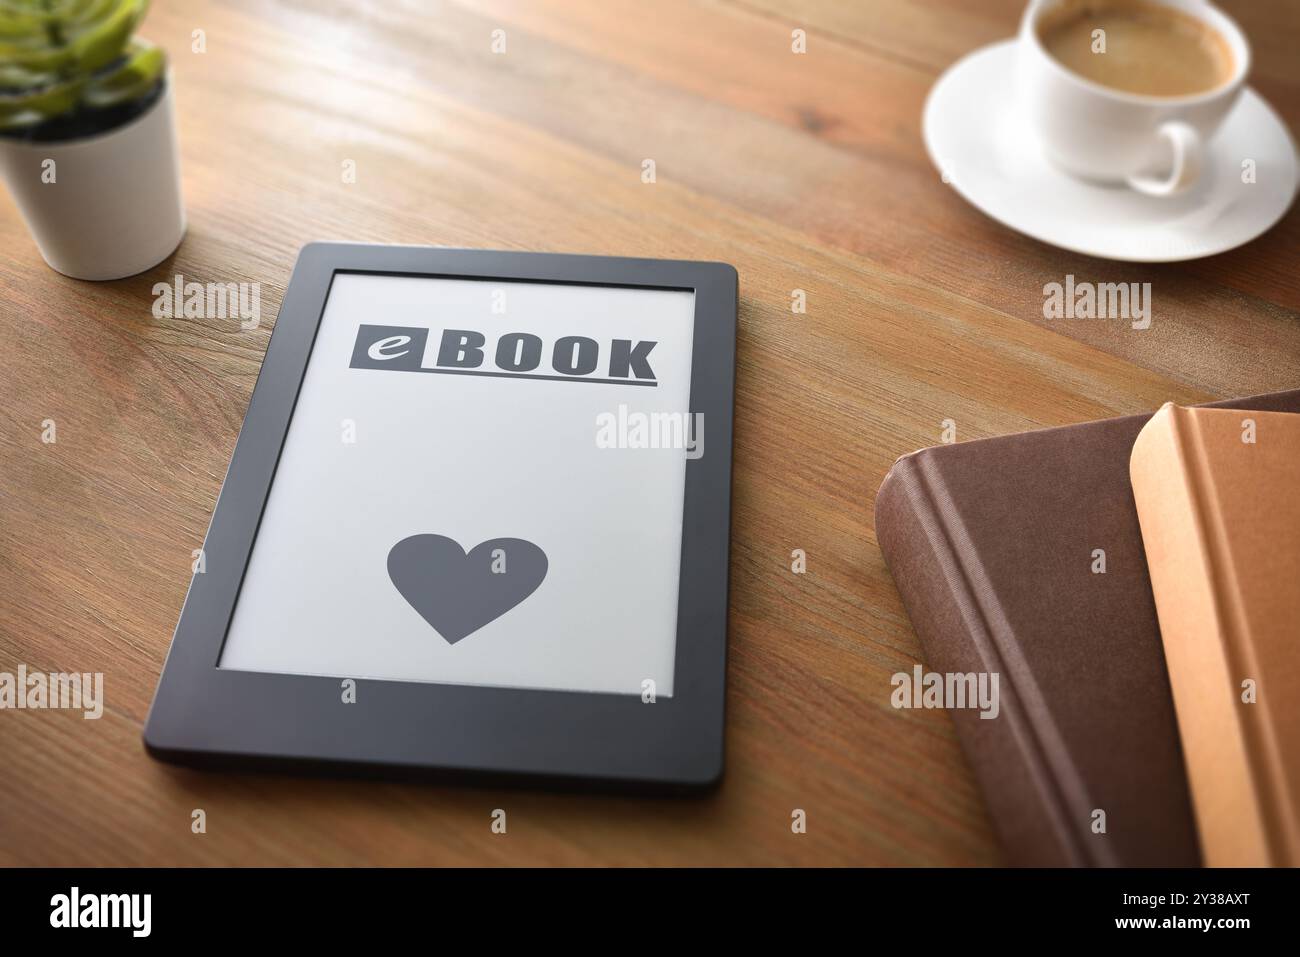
{"points": [[206, 715]]}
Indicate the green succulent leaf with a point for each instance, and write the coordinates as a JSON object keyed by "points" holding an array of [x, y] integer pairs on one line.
{"points": [[131, 79], [58, 56], [97, 43], [14, 77], [29, 109]]}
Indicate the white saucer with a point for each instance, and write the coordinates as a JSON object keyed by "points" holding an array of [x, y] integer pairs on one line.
{"points": [[975, 137]]}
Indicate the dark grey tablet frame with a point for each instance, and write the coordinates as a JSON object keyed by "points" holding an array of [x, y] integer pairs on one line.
{"points": [[205, 715]]}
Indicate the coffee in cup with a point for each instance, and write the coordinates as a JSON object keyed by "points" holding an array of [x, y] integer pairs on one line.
{"points": [[1137, 46]]}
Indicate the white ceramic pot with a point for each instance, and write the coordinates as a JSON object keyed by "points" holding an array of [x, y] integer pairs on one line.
{"points": [[113, 207]]}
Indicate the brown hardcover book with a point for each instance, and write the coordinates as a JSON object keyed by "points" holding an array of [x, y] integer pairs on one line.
{"points": [[1022, 555], [1218, 496]]}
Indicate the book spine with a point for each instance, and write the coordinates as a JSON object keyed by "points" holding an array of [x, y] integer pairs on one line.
{"points": [[1170, 488], [1023, 794]]}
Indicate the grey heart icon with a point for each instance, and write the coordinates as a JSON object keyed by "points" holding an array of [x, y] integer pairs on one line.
{"points": [[459, 593]]}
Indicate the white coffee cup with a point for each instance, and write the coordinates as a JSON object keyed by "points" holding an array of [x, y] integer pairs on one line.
{"points": [[1152, 143]]}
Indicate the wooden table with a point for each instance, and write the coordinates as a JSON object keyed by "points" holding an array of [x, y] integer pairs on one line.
{"points": [[804, 171]]}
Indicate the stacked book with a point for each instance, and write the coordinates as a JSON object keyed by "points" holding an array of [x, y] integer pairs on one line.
{"points": [[1135, 584]]}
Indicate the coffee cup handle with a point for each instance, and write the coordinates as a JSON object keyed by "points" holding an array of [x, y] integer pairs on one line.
{"points": [[1185, 166]]}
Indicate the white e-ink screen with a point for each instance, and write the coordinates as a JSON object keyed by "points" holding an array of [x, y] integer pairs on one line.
{"points": [[479, 486]]}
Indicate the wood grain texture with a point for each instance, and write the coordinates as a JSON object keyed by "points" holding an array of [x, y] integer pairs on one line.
{"points": [[805, 172]]}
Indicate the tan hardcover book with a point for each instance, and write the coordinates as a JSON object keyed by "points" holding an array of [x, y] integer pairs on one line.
{"points": [[1218, 499]]}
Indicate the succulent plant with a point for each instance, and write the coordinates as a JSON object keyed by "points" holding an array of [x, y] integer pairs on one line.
{"points": [[59, 58]]}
